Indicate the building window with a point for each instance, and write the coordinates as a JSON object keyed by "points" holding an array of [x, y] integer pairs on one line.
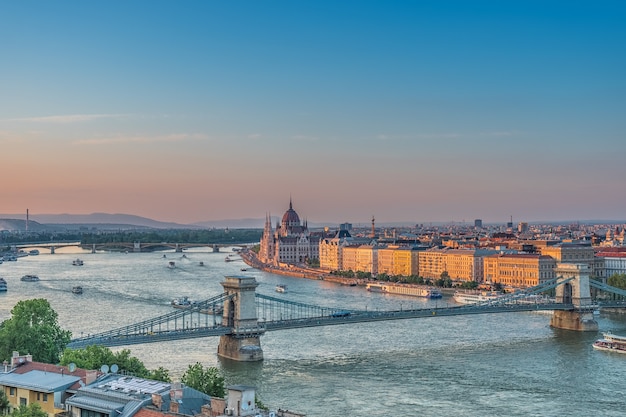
{"points": [[22, 401], [45, 398], [12, 391]]}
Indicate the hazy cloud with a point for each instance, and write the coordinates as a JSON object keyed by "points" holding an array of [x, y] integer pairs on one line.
{"points": [[68, 118], [304, 138], [254, 136], [176, 137]]}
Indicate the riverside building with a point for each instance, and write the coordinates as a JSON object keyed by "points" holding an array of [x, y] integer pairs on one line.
{"points": [[460, 264], [519, 270], [579, 253]]}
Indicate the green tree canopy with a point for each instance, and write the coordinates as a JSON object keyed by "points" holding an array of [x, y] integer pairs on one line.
{"points": [[618, 281], [31, 410], [94, 356], [33, 329], [207, 380], [4, 403]]}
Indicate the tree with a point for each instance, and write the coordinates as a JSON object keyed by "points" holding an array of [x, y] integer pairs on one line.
{"points": [[91, 357], [94, 356], [31, 410], [207, 380], [618, 281], [33, 328], [160, 374], [4, 403]]}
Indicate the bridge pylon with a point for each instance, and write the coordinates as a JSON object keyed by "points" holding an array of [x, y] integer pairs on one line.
{"points": [[576, 292], [243, 343]]}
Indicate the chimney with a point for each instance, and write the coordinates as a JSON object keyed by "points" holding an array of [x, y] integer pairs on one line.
{"points": [[90, 376], [174, 406], [157, 401], [176, 393]]}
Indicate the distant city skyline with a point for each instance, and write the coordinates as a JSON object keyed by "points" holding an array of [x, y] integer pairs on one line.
{"points": [[412, 112]]}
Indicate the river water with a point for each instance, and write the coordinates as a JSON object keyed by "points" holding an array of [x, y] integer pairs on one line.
{"points": [[510, 364]]}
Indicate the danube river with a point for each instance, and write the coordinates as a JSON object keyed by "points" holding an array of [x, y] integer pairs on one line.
{"points": [[510, 364]]}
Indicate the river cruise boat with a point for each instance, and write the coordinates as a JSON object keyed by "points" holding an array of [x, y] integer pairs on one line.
{"points": [[3, 285], [404, 289], [462, 297], [611, 343], [281, 288], [30, 278]]}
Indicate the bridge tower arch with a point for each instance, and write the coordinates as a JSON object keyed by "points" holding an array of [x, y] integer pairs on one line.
{"points": [[576, 292], [243, 343]]}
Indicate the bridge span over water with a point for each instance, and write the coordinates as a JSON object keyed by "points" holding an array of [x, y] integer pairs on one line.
{"points": [[126, 246], [240, 316]]}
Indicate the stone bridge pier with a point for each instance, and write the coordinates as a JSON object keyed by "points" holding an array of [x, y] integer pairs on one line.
{"points": [[576, 292], [244, 342]]}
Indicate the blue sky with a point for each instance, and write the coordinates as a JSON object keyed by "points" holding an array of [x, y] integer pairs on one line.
{"points": [[409, 111]]}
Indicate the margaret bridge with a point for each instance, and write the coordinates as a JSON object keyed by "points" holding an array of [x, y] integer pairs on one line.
{"points": [[122, 246], [240, 316]]}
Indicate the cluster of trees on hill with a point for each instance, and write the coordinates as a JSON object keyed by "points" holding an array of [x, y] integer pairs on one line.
{"points": [[34, 329], [202, 236]]}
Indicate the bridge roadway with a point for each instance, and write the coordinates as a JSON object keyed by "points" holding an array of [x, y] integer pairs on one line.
{"points": [[140, 333]]}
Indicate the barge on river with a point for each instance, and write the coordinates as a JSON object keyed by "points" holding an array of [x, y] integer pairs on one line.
{"points": [[404, 289]]}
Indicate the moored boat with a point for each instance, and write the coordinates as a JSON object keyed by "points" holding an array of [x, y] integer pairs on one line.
{"points": [[611, 343], [404, 289], [30, 278], [33, 252], [3, 285], [475, 297]]}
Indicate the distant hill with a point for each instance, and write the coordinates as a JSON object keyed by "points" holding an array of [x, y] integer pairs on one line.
{"points": [[73, 221], [234, 224]]}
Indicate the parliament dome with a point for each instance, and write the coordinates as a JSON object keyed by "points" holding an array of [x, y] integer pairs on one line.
{"points": [[291, 218]]}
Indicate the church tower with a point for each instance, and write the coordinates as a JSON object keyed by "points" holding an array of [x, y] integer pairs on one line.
{"points": [[266, 251]]}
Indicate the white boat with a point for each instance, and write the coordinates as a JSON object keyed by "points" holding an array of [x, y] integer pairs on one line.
{"points": [[611, 343], [404, 289], [281, 288], [77, 262], [3, 285], [171, 264], [475, 297]]}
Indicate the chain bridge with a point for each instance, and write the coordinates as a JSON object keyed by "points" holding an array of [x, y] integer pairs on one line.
{"points": [[240, 316]]}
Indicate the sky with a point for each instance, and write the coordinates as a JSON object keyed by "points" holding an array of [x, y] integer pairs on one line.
{"points": [[416, 111]]}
